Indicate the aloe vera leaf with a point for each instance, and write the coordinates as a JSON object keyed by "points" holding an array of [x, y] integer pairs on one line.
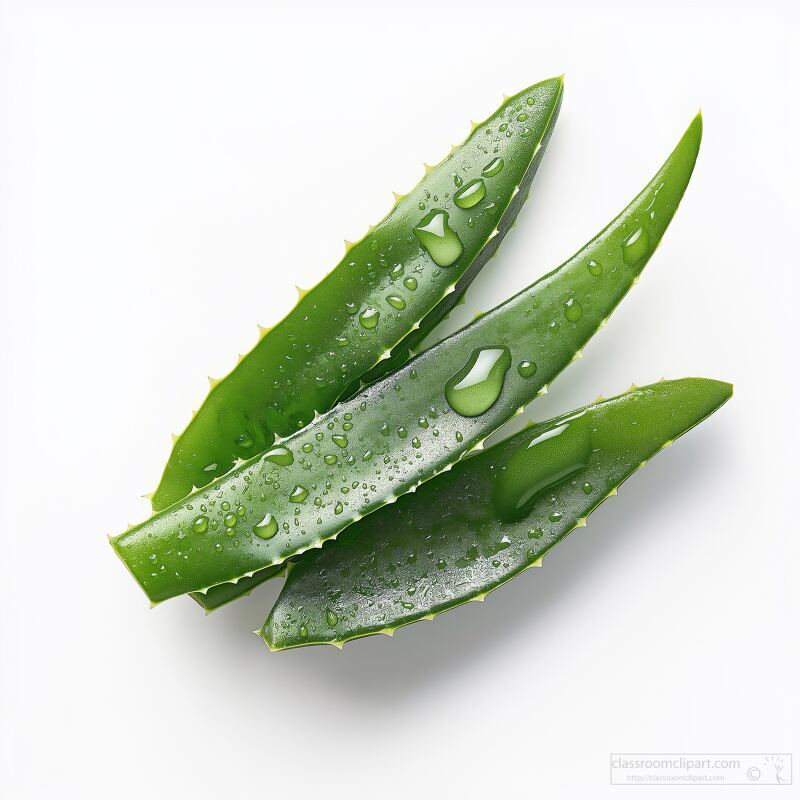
{"points": [[401, 431], [379, 292], [451, 541], [224, 593]]}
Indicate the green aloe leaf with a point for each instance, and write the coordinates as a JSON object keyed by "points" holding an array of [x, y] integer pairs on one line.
{"points": [[407, 428], [494, 515], [389, 288]]}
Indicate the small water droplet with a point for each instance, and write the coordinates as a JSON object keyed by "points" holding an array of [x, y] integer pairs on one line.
{"points": [[226, 506], [459, 436], [595, 268], [303, 631], [572, 310], [299, 493], [230, 520], [474, 389], [587, 488], [470, 194], [280, 455], [395, 301], [458, 180], [339, 508], [200, 524], [636, 247], [493, 168], [267, 528], [410, 283], [369, 318], [330, 459], [402, 432], [438, 238], [526, 368], [339, 440], [330, 618], [245, 441], [308, 447], [554, 516], [535, 533], [415, 442]]}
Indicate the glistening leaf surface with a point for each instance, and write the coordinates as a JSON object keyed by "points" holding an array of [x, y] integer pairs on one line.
{"points": [[397, 276], [447, 543], [402, 431]]}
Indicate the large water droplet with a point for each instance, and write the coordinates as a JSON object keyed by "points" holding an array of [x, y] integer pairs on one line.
{"points": [[280, 455], [572, 310], [299, 493], [471, 194], [526, 369], [548, 459], [492, 168], [339, 439], [369, 318], [595, 268], [410, 283], [438, 238], [200, 524], [267, 528], [230, 520], [475, 388], [395, 301], [636, 247]]}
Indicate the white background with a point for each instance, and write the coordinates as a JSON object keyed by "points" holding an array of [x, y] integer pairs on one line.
{"points": [[169, 172]]}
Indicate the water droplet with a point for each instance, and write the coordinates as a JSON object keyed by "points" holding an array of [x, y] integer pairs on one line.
{"points": [[438, 238], [200, 524], [493, 168], [339, 439], [402, 432], [554, 516], [526, 369], [330, 618], [308, 447], [299, 493], [595, 268], [245, 441], [531, 101], [230, 520], [367, 455], [385, 429], [303, 631], [410, 283], [369, 318], [474, 389], [226, 506], [572, 310], [330, 459], [280, 455], [548, 459], [587, 488], [415, 442], [458, 180], [342, 341], [470, 194], [535, 533], [267, 528], [459, 436], [339, 508], [636, 247], [395, 301]]}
